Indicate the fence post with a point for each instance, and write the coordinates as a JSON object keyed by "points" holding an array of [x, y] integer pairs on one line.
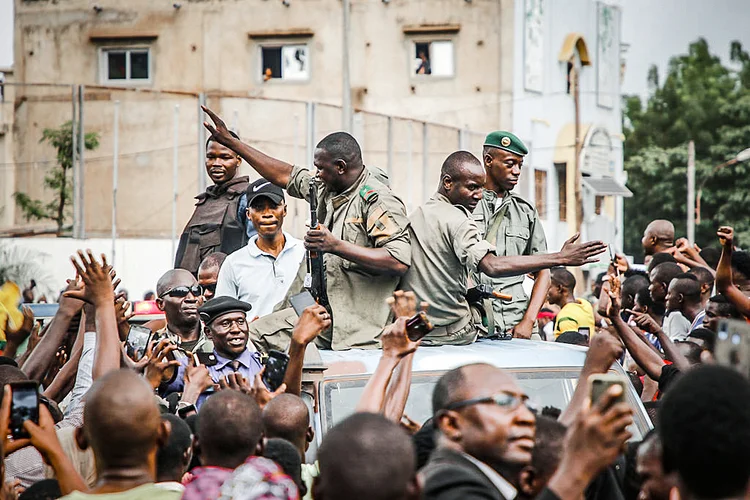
{"points": [[115, 171], [425, 162], [310, 132], [389, 147], [175, 147], [74, 160], [81, 165], [410, 176], [202, 184]]}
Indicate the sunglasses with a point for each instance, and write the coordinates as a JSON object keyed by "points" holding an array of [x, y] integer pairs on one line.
{"points": [[183, 291], [508, 402], [209, 288]]}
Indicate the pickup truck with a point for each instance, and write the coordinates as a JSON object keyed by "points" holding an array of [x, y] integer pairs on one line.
{"points": [[333, 380]]}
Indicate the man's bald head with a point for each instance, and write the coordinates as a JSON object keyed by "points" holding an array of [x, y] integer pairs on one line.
{"points": [[659, 235], [460, 164], [174, 278], [122, 422], [462, 179], [229, 429], [286, 416]]}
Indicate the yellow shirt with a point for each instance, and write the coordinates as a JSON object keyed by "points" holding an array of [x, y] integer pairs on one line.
{"points": [[575, 315]]}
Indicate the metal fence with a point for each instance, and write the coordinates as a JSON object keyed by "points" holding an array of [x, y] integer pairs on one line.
{"points": [[141, 179]]}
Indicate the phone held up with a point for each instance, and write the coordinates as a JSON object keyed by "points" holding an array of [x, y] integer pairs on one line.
{"points": [[24, 405], [301, 301], [418, 326], [600, 384], [733, 345], [137, 342], [276, 364]]}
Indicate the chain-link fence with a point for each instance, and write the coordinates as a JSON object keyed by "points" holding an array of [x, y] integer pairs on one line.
{"points": [[149, 162]]}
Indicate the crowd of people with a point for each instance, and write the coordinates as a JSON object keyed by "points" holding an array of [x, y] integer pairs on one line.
{"points": [[183, 407]]}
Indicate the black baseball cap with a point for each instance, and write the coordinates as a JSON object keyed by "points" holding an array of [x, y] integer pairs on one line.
{"points": [[263, 187]]}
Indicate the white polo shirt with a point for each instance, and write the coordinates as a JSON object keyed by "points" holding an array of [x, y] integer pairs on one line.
{"points": [[259, 278]]}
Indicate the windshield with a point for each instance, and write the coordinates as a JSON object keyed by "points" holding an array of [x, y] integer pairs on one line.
{"points": [[545, 387]]}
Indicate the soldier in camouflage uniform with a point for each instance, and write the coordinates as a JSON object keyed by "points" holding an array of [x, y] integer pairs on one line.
{"points": [[363, 235], [511, 224]]}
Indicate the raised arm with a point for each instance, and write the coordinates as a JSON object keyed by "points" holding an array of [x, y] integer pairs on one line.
{"points": [[98, 290], [65, 379], [277, 171], [314, 320], [524, 328], [378, 260], [44, 353], [572, 254], [646, 357], [647, 323], [724, 283]]}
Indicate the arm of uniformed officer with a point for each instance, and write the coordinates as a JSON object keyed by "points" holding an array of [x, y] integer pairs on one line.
{"points": [[572, 254], [314, 320], [387, 229], [277, 171]]}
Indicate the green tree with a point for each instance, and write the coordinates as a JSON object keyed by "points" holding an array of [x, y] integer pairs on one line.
{"points": [[700, 100], [57, 179]]}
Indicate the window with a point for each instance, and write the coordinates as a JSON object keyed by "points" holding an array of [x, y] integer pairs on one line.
{"points": [[562, 189], [433, 58], [285, 62], [125, 65], [598, 203], [540, 192]]}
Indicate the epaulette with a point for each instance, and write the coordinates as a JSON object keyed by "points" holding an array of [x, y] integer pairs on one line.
{"points": [[207, 358], [368, 194]]}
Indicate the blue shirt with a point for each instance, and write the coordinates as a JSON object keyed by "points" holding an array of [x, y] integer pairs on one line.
{"points": [[249, 367]]}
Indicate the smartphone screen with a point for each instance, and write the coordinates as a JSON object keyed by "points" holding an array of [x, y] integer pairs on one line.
{"points": [[24, 406], [418, 326], [601, 384], [301, 301], [276, 364], [137, 342]]}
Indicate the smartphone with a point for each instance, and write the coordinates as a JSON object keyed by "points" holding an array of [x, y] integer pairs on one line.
{"points": [[276, 364], [600, 383], [418, 326], [24, 406], [733, 345], [137, 342], [302, 301]]}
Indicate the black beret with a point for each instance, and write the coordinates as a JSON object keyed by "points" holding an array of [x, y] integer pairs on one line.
{"points": [[219, 306]]}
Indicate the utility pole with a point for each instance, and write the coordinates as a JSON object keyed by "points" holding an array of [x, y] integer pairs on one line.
{"points": [[577, 174], [691, 193], [346, 86]]}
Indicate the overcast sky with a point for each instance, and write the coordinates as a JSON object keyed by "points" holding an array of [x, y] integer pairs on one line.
{"points": [[655, 29]]}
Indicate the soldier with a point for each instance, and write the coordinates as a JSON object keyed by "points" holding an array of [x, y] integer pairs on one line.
{"points": [[363, 235], [511, 224], [218, 223], [447, 248]]}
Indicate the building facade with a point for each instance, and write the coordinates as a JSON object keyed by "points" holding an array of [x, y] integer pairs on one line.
{"points": [[425, 78]]}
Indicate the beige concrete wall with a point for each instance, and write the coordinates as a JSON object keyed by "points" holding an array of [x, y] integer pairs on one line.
{"points": [[204, 47]]}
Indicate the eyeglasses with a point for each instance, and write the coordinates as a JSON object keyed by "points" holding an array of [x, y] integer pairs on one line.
{"points": [[509, 402], [183, 291], [209, 288]]}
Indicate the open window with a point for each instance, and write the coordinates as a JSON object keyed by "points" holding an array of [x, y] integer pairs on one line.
{"points": [[433, 58], [285, 62]]}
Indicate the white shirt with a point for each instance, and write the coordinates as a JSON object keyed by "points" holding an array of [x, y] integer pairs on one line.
{"points": [[676, 326], [259, 278], [503, 486]]}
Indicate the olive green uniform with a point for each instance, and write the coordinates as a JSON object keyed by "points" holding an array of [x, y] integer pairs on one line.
{"points": [[368, 214], [446, 247], [513, 227]]}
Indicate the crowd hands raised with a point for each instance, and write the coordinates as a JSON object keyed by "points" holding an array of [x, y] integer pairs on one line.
{"points": [[202, 414]]}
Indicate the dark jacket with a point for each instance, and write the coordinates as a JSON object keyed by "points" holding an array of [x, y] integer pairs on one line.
{"points": [[450, 476], [214, 226]]}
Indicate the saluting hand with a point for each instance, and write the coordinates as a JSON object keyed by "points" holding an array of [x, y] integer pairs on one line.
{"points": [[321, 240]]}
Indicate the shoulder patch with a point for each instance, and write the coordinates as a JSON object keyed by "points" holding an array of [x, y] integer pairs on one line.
{"points": [[368, 194]]}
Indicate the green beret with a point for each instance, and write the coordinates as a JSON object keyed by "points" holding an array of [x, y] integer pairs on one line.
{"points": [[507, 141]]}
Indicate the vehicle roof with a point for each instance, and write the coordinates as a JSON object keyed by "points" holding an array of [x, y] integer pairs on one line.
{"points": [[513, 354]]}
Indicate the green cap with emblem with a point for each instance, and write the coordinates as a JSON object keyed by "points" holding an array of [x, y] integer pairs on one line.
{"points": [[507, 141]]}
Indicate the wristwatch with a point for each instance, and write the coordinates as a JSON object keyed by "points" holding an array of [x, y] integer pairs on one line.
{"points": [[184, 408]]}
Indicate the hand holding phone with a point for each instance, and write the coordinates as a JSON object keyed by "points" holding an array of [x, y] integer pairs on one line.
{"points": [[24, 405], [418, 326], [276, 364], [600, 384]]}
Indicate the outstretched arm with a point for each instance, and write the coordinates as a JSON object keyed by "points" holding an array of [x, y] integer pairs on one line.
{"points": [[277, 171], [572, 254]]}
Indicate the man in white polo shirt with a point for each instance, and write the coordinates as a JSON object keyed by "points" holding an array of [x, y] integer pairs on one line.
{"points": [[262, 272]]}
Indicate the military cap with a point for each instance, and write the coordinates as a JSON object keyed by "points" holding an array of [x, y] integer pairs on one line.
{"points": [[219, 306], [507, 141]]}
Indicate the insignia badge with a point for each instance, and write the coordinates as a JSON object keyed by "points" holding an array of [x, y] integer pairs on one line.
{"points": [[505, 141]]}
